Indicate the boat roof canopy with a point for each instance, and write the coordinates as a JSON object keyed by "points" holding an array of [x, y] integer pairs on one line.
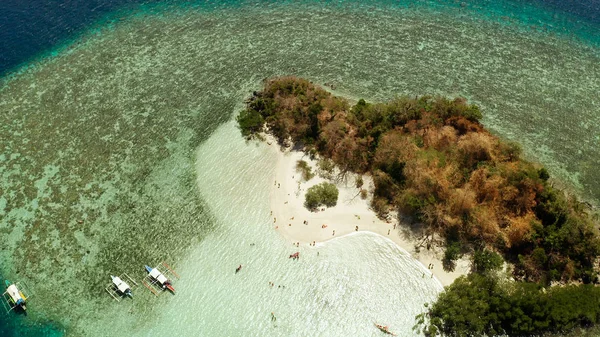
{"points": [[14, 293], [158, 276], [121, 285]]}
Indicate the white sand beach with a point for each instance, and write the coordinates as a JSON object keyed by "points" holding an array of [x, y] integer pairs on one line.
{"points": [[299, 225]]}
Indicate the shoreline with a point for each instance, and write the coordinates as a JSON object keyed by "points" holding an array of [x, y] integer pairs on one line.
{"points": [[351, 214]]}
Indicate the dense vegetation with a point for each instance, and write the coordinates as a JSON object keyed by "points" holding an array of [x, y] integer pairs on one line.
{"points": [[323, 194], [465, 189], [480, 304]]}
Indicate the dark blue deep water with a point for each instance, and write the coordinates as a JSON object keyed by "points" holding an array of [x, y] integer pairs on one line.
{"points": [[32, 29]]}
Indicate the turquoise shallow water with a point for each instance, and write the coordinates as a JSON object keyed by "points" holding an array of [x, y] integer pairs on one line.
{"points": [[337, 288], [115, 154]]}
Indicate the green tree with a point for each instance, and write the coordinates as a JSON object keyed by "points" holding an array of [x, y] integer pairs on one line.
{"points": [[322, 194], [543, 174], [512, 308], [451, 254], [486, 261], [250, 121]]}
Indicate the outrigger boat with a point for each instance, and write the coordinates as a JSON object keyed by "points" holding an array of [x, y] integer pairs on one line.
{"points": [[384, 329], [160, 279], [15, 296], [118, 288]]}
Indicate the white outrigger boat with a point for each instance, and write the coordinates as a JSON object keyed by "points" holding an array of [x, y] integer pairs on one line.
{"points": [[118, 288], [15, 296], [156, 280]]}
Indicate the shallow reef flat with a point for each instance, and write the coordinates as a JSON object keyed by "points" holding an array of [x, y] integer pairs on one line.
{"points": [[97, 153]]}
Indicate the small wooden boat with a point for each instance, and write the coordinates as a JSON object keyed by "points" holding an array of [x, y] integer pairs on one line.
{"points": [[121, 286], [118, 288], [159, 278], [384, 329], [295, 256]]}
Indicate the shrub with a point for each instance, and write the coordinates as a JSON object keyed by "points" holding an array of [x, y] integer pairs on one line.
{"points": [[305, 170], [322, 194], [325, 168], [409, 203], [357, 109], [451, 254], [473, 113], [380, 206], [486, 261], [250, 121], [384, 185], [363, 194], [510, 150], [395, 169], [543, 174], [358, 182]]}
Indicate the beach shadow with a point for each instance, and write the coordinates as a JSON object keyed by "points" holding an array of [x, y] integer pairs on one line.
{"points": [[414, 231]]}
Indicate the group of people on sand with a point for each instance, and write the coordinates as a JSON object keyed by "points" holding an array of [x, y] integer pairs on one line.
{"points": [[273, 284], [429, 267]]}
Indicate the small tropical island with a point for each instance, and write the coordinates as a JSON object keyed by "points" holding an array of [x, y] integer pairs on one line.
{"points": [[431, 165]]}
